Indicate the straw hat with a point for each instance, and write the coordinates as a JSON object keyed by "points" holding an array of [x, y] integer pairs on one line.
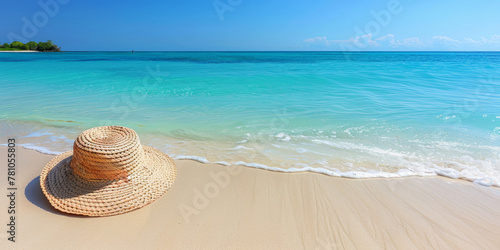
{"points": [[108, 172]]}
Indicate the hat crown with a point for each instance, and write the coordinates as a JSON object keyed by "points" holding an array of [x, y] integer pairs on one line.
{"points": [[106, 153]]}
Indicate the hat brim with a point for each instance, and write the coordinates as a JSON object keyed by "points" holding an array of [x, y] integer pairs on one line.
{"points": [[69, 193]]}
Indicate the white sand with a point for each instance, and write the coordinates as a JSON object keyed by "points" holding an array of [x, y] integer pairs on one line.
{"points": [[257, 209], [17, 51]]}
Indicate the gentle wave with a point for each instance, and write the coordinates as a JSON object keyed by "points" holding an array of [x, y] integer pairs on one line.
{"points": [[445, 172], [40, 149]]}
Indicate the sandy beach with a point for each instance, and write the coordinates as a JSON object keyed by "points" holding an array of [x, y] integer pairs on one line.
{"points": [[217, 207], [17, 51]]}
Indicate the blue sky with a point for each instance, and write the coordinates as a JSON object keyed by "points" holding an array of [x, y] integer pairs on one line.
{"points": [[359, 25]]}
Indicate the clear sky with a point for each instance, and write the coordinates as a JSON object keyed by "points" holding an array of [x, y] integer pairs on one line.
{"points": [[255, 24]]}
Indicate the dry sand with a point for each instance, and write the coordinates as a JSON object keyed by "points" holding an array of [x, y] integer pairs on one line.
{"points": [[257, 209]]}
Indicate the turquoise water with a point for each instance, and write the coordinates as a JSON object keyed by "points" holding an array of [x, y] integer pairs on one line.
{"points": [[363, 114]]}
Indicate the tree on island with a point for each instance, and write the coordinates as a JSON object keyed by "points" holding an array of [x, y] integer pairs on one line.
{"points": [[32, 45], [48, 46], [16, 44]]}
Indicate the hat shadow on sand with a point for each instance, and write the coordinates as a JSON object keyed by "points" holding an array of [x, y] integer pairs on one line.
{"points": [[35, 195]]}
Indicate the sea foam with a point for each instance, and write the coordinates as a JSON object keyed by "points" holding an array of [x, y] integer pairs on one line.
{"points": [[474, 177]]}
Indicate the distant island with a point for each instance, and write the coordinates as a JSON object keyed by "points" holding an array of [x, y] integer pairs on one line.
{"points": [[48, 46]]}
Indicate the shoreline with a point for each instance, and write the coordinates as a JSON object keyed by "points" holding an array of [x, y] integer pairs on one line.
{"points": [[359, 173], [345, 175], [263, 209]]}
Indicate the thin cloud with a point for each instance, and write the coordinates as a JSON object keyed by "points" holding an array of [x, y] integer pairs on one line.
{"points": [[364, 40], [360, 42], [446, 41], [495, 39], [388, 38], [468, 40], [389, 41], [411, 42], [318, 40]]}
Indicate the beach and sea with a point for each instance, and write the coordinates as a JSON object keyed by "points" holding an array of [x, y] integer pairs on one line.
{"points": [[275, 150]]}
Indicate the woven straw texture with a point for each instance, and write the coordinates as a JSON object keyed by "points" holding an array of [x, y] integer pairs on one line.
{"points": [[108, 172]]}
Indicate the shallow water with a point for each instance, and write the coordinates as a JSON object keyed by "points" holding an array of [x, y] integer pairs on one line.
{"points": [[364, 114]]}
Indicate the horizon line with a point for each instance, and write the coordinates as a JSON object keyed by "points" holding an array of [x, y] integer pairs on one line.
{"points": [[452, 51]]}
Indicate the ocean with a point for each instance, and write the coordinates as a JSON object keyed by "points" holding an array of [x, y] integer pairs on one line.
{"points": [[356, 115]]}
